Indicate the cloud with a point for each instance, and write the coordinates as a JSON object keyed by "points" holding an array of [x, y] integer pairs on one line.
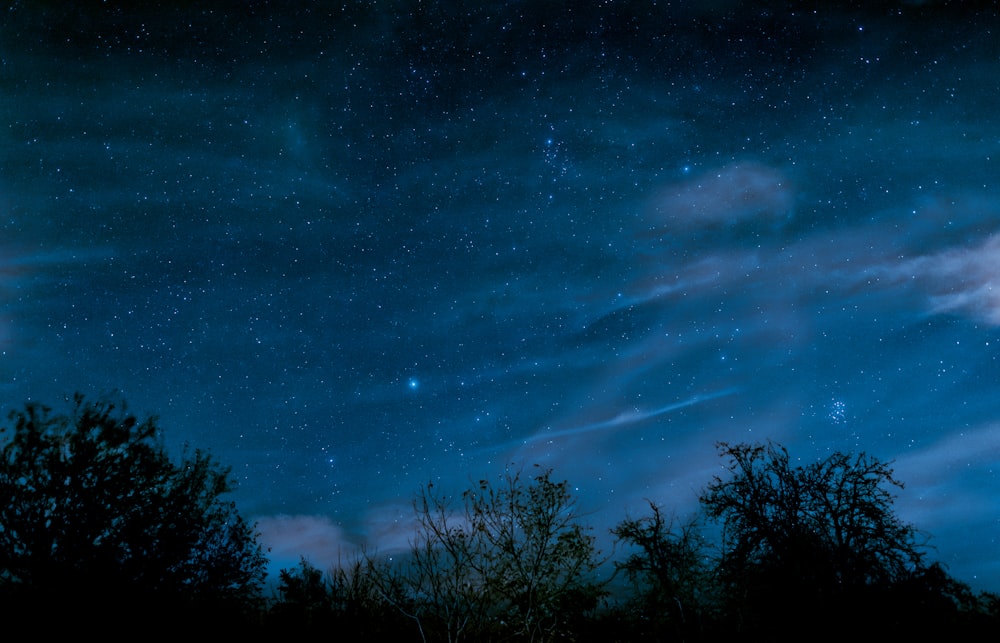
{"points": [[963, 280], [316, 538], [950, 455], [390, 528], [725, 195], [622, 419], [943, 479]]}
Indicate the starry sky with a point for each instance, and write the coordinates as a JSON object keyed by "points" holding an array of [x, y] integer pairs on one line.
{"points": [[350, 248]]}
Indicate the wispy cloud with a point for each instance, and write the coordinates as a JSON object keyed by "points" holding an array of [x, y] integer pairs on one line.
{"points": [[316, 538], [940, 478], [390, 527], [625, 418], [963, 280], [725, 195], [19, 260], [951, 455]]}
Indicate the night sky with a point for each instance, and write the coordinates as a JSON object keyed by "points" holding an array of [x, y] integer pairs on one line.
{"points": [[352, 250]]}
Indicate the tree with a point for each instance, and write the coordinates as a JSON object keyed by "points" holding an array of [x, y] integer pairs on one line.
{"points": [[669, 569], [812, 539], [346, 598], [442, 584], [510, 560], [304, 596], [91, 504], [540, 558]]}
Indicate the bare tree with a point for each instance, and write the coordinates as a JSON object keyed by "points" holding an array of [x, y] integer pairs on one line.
{"points": [[540, 558], [669, 569], [439, 583], [506, 559], [837, 512], [812, 543]]}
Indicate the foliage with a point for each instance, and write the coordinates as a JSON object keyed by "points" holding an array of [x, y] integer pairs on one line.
{"points": [[92, 497]]}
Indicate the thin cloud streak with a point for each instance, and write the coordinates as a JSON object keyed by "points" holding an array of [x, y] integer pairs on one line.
{"points": [[623, 419]]}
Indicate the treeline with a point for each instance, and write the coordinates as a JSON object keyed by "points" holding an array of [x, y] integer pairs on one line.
{"points": [[100, 531], [804, 551]]}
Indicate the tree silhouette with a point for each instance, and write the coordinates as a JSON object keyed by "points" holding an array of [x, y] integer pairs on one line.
{"points": [[310, 602], [669, 568], [809, 541], [512, 560], [91, 505], [803, 549], [540, 555], [304, 597]]}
